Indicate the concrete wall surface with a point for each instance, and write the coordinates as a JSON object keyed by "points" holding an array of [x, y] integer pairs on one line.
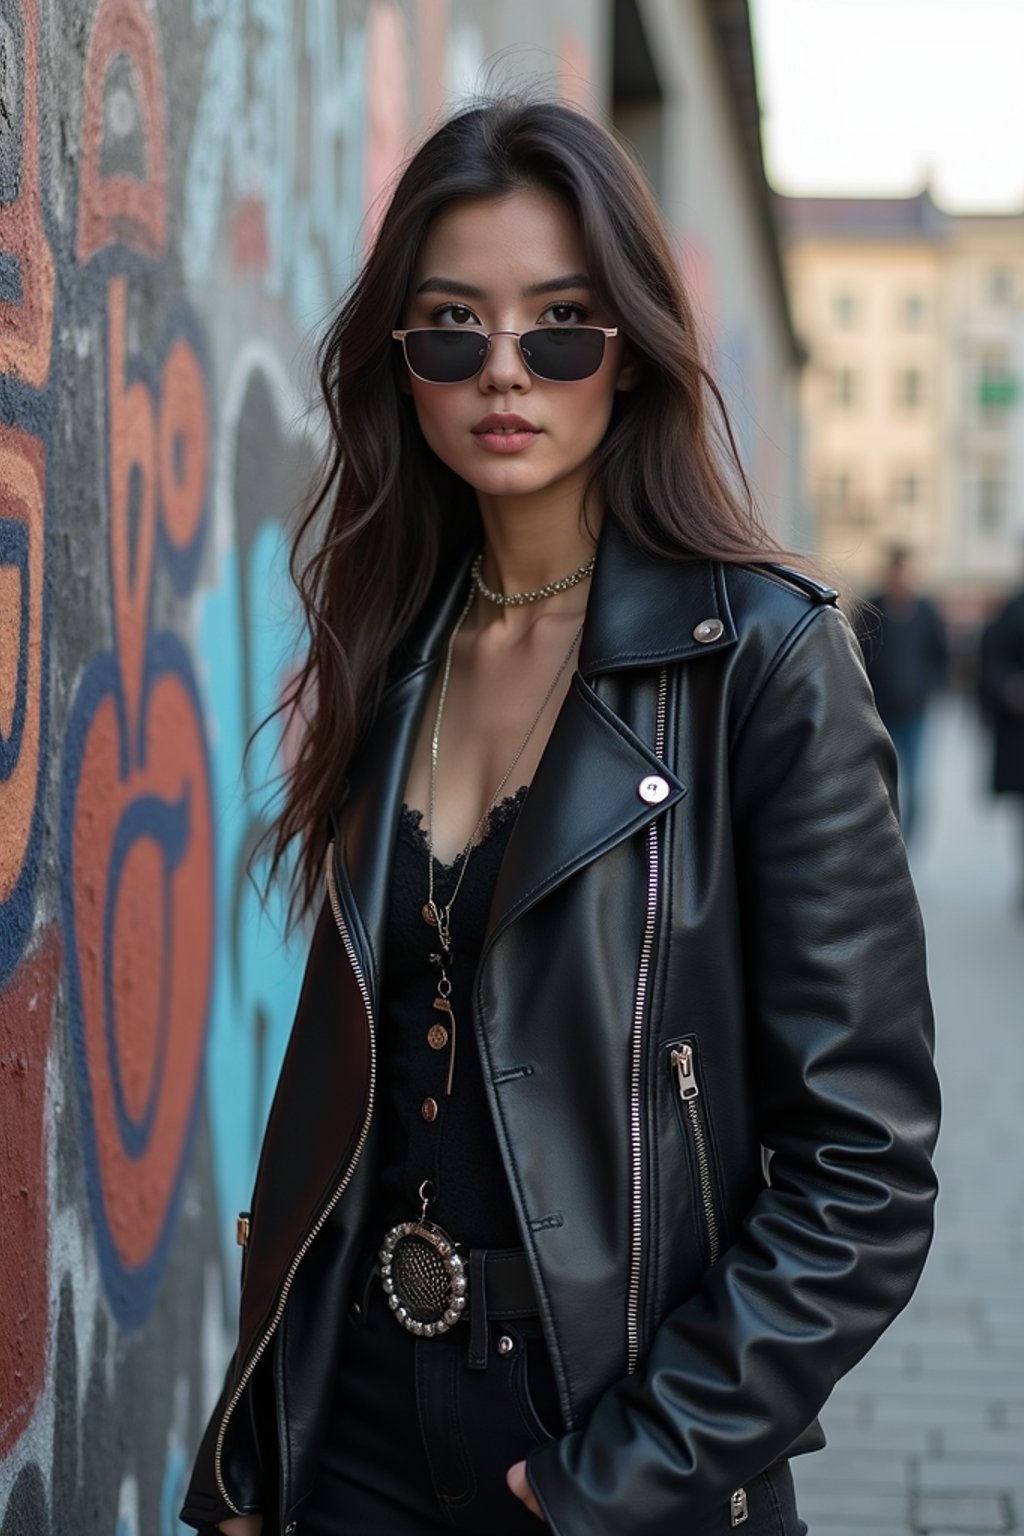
{"points": [[182, 193]]}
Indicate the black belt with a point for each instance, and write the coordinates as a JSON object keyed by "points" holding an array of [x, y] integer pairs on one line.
{"points": [[500, 1289], [500, 1277]]}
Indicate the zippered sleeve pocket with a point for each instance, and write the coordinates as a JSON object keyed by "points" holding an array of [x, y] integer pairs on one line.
{"points": [[681, 1057]]}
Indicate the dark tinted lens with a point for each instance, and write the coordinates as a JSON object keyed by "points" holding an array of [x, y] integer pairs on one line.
{"points": [[445, 357], [564, 353]]}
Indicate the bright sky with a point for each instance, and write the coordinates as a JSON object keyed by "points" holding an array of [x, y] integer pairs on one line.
{"points": [[872, 96]]}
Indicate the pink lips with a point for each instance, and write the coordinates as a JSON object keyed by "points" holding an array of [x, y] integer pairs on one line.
{"points": [[502, 432]]}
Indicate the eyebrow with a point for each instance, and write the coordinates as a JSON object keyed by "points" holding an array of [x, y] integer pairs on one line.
{"points": [[451, 285]]}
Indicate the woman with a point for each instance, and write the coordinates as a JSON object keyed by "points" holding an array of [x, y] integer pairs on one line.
{"points": [[618, 979]]}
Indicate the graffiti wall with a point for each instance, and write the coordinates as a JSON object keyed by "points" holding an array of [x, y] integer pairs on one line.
{"points": [[185, 189]]}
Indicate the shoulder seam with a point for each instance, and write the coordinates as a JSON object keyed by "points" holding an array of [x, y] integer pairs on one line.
{"points": [[779, 655], [785, 575]]}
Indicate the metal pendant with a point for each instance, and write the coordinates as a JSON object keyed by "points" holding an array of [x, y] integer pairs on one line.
{"points": [[424, 1277]]}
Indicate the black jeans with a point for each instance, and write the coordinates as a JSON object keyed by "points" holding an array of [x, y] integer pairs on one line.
{"points": [[419, 1444]]}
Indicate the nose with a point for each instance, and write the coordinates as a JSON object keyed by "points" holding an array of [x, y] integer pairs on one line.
{"points": [[504, 368]]}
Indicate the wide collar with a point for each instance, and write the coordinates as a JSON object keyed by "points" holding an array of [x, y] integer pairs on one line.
{"points": [[643, 611], [585, 796]]}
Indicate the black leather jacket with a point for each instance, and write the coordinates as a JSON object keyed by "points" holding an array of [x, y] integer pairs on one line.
{"points": [[684, 984]]}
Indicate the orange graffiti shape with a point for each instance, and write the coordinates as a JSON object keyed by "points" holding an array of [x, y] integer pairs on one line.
{"points": [[159, 454], [26, 322], [182, 444], [142, 888], [123, 197], [22, 515]]}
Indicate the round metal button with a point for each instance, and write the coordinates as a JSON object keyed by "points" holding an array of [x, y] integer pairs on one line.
{"points": [[428, 1109], [505, 1345], [437, 1037], [709, 630], [653, 789]]}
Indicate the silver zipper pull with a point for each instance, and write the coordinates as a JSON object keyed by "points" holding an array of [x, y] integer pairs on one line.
{"points": [[682, 1060], [738, 1507]]}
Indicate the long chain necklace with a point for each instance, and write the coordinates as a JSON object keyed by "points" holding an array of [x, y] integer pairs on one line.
{"points": [[422, 1270], [517, 599], [439, 917]]}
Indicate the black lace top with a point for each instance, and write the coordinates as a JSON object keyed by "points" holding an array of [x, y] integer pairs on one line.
{"points": [[453, 1144]]}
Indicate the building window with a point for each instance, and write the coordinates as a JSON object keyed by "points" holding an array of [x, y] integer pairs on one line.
{"points": [[844, 387], [912, 311], [908, 489], [910, 387], [991, 503], [1001, 285], [838, 495], [997, 385], [844, 310]]}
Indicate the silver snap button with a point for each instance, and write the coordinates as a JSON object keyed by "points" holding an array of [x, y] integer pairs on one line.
{"points": [[653, 790], [708, 630], [505, 1345]]}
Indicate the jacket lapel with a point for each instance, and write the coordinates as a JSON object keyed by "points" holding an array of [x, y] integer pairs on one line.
{"points": [[585, 796]]}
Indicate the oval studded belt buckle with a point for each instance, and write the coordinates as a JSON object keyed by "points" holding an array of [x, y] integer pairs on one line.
{"points": [[423, 1275]]}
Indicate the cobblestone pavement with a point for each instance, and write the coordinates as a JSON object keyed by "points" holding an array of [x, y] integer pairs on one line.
{"points": [[926, 1435]]}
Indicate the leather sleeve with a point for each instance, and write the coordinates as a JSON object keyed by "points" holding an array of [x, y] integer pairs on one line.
{"points": [[841, 1025], [249, 1460]]}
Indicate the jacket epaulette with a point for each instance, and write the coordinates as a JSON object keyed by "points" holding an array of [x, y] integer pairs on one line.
{"points": [[817, 590]]}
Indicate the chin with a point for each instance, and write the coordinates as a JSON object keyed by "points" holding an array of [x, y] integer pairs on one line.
{"points": [[503, 479]]}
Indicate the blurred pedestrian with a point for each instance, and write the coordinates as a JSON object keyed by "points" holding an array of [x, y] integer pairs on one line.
{"points": [[907, 655], [1001, 679]]}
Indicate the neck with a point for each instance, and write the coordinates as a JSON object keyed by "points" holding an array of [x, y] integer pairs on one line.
{"points": [[529, 542]]}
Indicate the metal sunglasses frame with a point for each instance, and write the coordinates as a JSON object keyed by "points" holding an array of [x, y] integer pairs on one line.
{"points": [[607, 331]]}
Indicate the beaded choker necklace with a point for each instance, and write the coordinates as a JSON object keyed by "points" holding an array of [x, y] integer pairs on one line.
{"points": [[517, 599]]}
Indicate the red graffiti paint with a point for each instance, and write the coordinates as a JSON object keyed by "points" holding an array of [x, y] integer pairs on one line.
{"points": [[432, 30], [123, 197], [575, 70], [26, 323], [387, 91], [22, 522], [26, 1027], [250, 242]]}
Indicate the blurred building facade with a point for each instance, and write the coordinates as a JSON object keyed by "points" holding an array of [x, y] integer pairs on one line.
{"points": [[185, 189], [683, 92], [911, 401]]}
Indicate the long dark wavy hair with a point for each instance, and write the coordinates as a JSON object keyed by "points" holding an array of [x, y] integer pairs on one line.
{"points": [[366, 549]]}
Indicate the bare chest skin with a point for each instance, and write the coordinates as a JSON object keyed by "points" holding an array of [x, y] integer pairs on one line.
{"points": [[498, 681]]}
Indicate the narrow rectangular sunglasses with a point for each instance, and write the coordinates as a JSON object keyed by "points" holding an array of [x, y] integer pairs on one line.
{"points": [[562, 353]]}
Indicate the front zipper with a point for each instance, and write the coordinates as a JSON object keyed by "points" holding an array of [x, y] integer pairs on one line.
{"points": [[684, 1066], [636, 1064], [254, 1360]]}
